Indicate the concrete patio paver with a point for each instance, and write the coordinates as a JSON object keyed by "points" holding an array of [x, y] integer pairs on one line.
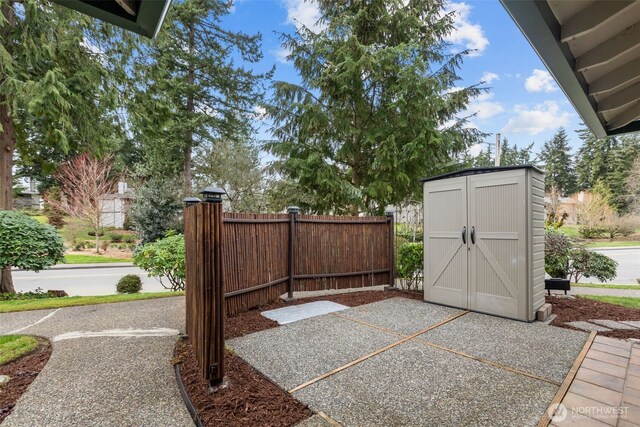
{"points": [[106, 381]]}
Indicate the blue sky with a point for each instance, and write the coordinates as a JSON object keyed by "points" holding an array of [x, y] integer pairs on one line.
{"points": [[524, 104]]}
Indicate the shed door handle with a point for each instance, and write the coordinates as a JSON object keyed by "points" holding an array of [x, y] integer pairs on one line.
{"points": [[464, 234], [473, 234]]}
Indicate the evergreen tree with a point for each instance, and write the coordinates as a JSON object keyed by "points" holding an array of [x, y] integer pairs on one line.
{"points": [[610, 161], [55, 93], [376, 109], [512, 155], [593, 159], [189, 92], [556, 157]]}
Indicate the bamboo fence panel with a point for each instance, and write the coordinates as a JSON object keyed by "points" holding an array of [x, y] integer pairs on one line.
{"points": [[238, 261]]}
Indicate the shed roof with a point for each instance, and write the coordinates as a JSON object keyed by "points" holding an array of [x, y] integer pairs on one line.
{"points": [[477, 171], [592, 49]]}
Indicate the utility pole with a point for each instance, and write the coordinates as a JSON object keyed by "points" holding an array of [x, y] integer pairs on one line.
{"points": [[497, 149]]}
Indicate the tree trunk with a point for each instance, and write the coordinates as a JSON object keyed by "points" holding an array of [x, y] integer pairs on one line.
{"points": [[6, 281], [188, 147], [7, 144]]}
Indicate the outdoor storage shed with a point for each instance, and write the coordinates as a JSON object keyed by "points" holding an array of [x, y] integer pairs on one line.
{"points": [[484, 240]]}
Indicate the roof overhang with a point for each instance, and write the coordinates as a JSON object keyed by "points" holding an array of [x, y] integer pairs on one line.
{"points": [[140, 16], [592, 49]]}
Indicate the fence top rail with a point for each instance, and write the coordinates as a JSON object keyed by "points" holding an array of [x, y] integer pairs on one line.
{"points": [[255, 220], [342, 221]]}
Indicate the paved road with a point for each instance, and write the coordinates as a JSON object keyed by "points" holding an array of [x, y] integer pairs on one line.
{"points": [[110, 365], [81, 281], [628, 265]]}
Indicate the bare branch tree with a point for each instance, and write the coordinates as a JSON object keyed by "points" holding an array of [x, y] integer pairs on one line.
{"points": [[83, 181]]}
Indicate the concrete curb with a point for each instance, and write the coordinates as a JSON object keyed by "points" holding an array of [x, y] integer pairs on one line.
{"points": [[87, 266], [615, 248]]}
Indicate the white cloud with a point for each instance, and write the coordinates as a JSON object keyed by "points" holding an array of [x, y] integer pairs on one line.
{"points": [[483, 107], [259, 112], [475, 149], [540, 81], [485, 110], [465, 33], [303, 12], [488, 77], [543, 117], [281, 55]]}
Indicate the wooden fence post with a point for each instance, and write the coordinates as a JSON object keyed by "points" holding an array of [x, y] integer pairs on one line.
{"points": [[214, 297], [293, 213], [392, 248]]}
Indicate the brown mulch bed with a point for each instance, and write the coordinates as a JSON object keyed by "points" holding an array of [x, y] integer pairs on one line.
{"points": [[570, 310], [249, 399], [252, 321], [22, 372]]}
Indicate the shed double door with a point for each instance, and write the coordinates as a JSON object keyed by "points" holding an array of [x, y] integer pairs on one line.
{"points": [[475, 243]]}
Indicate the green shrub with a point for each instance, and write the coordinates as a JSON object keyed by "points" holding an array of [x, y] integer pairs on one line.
{"points": [[92, 233], [129, 284], [129, 238], [27, 244], [164, 259], [409, 264], [116, 238], [37, 294], [586, 263], [557, 246], [566, 258], [592, 231], [410, 235]]}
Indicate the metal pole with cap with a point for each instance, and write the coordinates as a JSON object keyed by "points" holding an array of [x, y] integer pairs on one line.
{"points": [[293, 212]]}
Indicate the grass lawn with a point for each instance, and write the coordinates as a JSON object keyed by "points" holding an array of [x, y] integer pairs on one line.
{"points": [[41, 219], [45, 303], [92, 259], [570, 230], [604, 286], [14, 346], [624, 301]]}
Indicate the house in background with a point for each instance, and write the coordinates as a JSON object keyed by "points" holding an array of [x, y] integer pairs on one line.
{"points": [[28, 196], [114, 208]]}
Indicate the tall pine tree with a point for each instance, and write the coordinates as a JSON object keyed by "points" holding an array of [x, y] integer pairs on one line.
{"points": [[189, 91], [558, 165], [376, 109]]}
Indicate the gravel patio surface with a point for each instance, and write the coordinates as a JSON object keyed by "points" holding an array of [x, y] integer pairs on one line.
{"points": [[401, 315], [414, 383], [297, 352], [417, 385], [535, 348], [106, 381]]}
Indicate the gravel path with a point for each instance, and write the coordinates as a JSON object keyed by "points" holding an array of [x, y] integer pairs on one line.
{"points": [[124, 378]]}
